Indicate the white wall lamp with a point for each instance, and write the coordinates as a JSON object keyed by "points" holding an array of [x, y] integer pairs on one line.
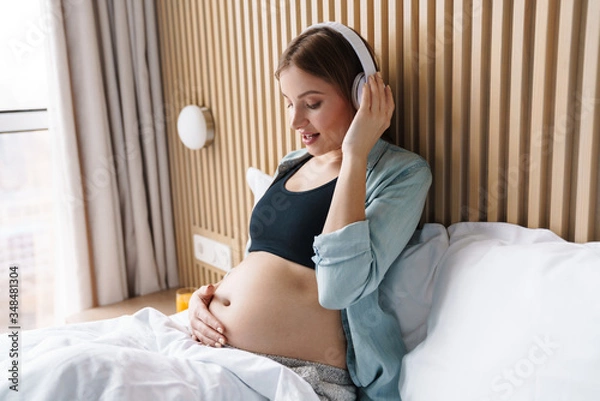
{"points": [[196, 127]]}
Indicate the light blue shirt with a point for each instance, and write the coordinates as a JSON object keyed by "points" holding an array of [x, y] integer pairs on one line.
{"points": [[350, 263]]}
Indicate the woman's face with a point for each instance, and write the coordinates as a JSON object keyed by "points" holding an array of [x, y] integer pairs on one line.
{"points": [[317, 110]]}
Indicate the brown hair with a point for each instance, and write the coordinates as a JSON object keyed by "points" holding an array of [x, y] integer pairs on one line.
{"points": [[326, 54]]}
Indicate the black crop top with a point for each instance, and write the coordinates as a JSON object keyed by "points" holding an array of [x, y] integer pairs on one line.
{"points": [[285, 223]]}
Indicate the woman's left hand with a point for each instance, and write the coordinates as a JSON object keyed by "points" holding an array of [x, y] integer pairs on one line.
{"points": [[372, 118]]}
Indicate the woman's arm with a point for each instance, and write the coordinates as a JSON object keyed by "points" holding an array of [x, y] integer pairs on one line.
{"points": [[352, 261], [371, 120]]}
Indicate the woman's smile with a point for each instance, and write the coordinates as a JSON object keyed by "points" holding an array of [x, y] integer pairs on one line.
{"points": [[309, 139]]}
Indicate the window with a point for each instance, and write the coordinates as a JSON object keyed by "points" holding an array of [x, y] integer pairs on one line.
{"points": [[26, 198]]}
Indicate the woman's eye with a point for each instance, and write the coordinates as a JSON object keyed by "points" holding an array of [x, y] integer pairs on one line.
{"points": [[313, 105]]}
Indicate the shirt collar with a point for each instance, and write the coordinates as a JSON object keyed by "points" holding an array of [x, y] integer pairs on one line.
{"points": [[301, 155]]}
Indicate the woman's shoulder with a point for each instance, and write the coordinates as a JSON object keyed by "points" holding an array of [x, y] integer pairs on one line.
{"points": [[387, 157], [294, 155], [290, 160]]}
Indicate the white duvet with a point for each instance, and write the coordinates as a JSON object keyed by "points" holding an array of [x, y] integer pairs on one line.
{"points": [[146, 356]]}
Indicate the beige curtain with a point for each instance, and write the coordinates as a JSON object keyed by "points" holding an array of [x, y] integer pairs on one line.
{"points": [[107, 121]]}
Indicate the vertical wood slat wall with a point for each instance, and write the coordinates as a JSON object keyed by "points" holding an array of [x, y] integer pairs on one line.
{"points": [[501, 97]]}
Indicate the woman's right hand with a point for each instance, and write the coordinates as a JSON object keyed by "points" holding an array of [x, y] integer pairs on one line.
{"points": [[205, 327]]}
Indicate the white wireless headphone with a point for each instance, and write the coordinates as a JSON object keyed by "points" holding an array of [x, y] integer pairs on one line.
{"points": [[361, 51]]}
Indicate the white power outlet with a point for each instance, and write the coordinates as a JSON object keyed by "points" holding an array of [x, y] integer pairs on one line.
{"points": [[212, 252]]}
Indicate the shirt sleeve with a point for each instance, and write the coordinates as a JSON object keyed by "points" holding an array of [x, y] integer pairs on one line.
{"points": [[352, 261]]}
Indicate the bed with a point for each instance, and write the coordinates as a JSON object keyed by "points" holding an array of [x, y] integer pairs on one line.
{"points": [[144, 356], [489, 311]]}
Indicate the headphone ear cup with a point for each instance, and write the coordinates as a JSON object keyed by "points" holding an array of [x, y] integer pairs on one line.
{"points": [[357, 89]]}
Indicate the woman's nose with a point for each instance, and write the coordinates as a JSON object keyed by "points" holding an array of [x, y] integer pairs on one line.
{"points": [[297, 119]]}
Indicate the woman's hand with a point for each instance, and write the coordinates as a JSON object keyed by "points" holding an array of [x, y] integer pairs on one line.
{"points": [[205, 327], [372, 118]]}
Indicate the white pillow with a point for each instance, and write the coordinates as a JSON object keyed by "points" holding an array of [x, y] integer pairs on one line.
{"points": [[515, 316], [407, 289], [258, 181]]}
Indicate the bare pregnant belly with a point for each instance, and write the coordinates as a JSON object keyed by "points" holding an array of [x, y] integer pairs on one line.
{"points": [[270, 305]]}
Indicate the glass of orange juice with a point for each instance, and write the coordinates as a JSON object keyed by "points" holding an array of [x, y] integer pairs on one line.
{"points": [[182, 298]]}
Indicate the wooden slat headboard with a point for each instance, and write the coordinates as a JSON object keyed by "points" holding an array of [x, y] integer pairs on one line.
{"points": [[501, 97]]}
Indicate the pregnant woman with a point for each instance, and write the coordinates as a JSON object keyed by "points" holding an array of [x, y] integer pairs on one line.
{"points": [[335, 219]]}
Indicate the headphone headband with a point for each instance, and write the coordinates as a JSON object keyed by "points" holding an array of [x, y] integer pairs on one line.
{"points": [[361, 51], [355, 41]]}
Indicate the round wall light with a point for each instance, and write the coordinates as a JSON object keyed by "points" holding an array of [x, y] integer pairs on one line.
{"points": [[196, 127]]}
